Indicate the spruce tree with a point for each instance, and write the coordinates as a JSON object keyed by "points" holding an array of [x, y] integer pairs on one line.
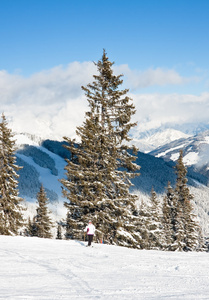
{"points": [[155, 227], [31, 229], [169, 218], [42, 220], [11, 218], [142, 225], [186, 226], [101, 166]]}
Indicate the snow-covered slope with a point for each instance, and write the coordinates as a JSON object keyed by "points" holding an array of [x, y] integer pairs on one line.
{"points": [[42, 269], [196, 158], [43, 163], [40, 166], [148, 138], [164, 137], [195, 149]]}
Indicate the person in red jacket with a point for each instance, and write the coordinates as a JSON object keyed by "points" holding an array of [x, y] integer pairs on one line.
{"points": [[90, 229]]}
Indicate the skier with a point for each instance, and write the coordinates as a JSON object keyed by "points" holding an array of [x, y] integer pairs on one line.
{"points": [[90, 229]]}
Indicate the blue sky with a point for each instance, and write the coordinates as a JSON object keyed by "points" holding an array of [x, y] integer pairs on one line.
{"points": [[38, 35], [160, 46]]}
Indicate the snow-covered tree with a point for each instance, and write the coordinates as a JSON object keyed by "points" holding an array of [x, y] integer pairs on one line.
{"points": [[11, 218], [101, 166], [142, 224], [42, 220], [155, 226], [169, 217], [31, 229], [186, 225]]}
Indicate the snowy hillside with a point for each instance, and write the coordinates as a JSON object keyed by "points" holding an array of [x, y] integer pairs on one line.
{"points": [[43, 163], [42, 269], [149, 137], [195, 149], [40, 166], [146, 138]]}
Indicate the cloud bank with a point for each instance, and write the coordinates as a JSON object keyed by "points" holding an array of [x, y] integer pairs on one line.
{"points": [[155, 110], [51, 103], [152, 77]]}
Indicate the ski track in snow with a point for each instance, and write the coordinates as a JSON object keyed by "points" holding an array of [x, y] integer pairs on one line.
{"points": [[44, 269]]}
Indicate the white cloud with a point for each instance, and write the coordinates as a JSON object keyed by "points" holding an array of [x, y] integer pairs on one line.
{"points": [[152, 77], [51, 103], [154, 110]]}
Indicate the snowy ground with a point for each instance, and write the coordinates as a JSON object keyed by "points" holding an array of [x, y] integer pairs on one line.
{"points": [[42, 269]]}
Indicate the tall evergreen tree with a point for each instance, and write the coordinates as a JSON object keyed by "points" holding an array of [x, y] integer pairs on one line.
{"points": [[102, 165], [142, 225], [186, 226], [31, 229], [11, 218], [169, 217], [155, 226], [42, 220]]}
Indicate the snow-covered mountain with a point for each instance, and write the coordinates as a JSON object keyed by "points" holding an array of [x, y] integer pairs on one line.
{"points": [[43, 162], [195, 151], [196, 158], [159, 138], [40, 165], [148, 139]]}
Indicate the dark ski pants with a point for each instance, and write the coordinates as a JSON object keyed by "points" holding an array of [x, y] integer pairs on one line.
{"points": [[90, 239]]}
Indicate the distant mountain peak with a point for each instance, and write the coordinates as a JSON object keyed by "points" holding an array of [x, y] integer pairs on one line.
{"points": [[158, 139], [195, 151]]}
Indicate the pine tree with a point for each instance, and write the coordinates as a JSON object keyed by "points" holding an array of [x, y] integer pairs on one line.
{"points": [[101, 167], [155, 227], [169, 217], [31, 229], [186, 226], [42, 220], [142, 225], [11, 218]]}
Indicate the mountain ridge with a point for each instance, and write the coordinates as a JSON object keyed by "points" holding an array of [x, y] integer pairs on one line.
{"points": [[48, 159], [44, 164]]}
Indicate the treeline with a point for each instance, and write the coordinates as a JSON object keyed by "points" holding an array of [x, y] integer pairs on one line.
{"points": [[99, 171], [170, 224]]}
